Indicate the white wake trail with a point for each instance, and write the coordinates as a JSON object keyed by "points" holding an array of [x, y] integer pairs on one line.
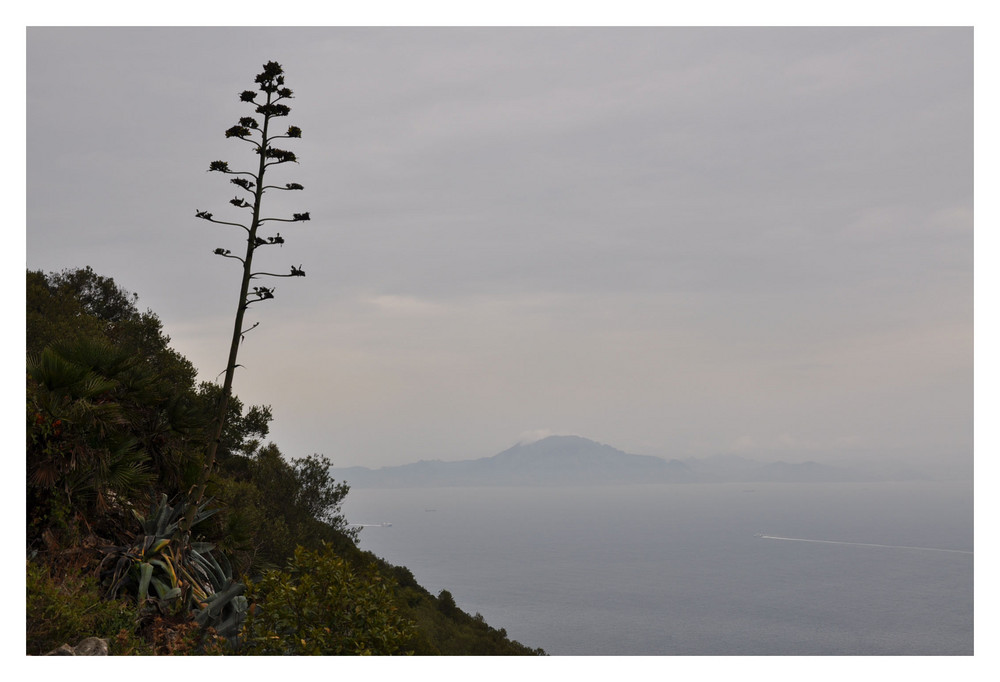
{"points": [[864, 544]]}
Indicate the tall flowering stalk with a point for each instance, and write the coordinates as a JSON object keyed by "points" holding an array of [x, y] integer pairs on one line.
{"points": [[255, 131]]}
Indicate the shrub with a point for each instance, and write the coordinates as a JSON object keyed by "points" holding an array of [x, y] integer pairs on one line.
{"points": [[320, 606], [68, 609]]}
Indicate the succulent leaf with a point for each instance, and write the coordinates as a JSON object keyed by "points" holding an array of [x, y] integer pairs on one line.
{"points": [[145, 575]]}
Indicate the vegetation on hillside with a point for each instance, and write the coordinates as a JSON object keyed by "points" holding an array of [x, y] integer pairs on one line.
{"points": [[117, 428]]}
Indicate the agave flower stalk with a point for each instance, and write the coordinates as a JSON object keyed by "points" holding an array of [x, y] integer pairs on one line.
{"points": [[255, 131]]}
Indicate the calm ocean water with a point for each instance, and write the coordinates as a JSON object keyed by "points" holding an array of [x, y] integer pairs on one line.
{"points": [[842, 569]]}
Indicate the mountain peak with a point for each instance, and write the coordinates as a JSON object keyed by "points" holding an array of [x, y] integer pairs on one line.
{"points": [[553, 460], [575, 460], [558, 442]]}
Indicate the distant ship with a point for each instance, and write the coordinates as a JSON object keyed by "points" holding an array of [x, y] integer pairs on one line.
{"points": [[758, 535]]}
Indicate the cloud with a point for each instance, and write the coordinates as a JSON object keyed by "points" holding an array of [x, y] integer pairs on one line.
{"points": [[406, 306], [534, 435]]}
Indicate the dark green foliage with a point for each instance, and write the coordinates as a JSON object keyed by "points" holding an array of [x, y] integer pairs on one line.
{"points": [[317, 495], [80, 304], [98, 296], [74, 305], [243, 432], [444, 629], [446, 603], [66, 606], [271, 506], [83, 451], [320, 605], [66, 610], [54, 314], [111, 410]]}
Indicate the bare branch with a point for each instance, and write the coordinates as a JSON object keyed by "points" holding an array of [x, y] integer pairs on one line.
{"points": [[225, 253], [296, 218], [205, 215], [296, 272]]}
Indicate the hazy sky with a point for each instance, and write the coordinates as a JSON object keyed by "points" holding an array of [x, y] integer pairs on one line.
{"points": [[678, 242]]}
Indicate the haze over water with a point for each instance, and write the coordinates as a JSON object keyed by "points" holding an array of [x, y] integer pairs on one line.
{"points": [[878, 569]]}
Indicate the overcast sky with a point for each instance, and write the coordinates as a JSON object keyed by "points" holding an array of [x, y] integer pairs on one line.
{"points": [[678, 242]]}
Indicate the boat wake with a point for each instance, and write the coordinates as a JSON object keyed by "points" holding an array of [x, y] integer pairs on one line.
{"points": [[860, 544]]}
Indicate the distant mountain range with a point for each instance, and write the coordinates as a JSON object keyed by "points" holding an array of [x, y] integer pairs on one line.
{"points": [[572, 460]]}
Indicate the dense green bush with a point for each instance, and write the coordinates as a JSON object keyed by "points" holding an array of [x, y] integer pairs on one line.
{"points": [[67, 610], [82, 452], [320, 605], [111, 408]]}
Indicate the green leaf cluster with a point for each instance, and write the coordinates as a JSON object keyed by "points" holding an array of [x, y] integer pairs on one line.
{"points": [[69, 608], [442, 628], [168, 572], [321, 605], [271, 505]]}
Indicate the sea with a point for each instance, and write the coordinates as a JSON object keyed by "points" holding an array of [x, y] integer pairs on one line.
{"points": [[830, 569]]}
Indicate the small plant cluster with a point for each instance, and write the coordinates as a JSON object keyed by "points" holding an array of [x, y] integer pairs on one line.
{"points": [[173, 577], [60, 611]]}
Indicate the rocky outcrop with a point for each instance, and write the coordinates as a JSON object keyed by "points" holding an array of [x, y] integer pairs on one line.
{"points": [[91, 646]]}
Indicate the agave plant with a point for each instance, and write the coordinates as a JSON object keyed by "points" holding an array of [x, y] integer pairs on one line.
{"points": [[165, 571], [225, 608]]}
